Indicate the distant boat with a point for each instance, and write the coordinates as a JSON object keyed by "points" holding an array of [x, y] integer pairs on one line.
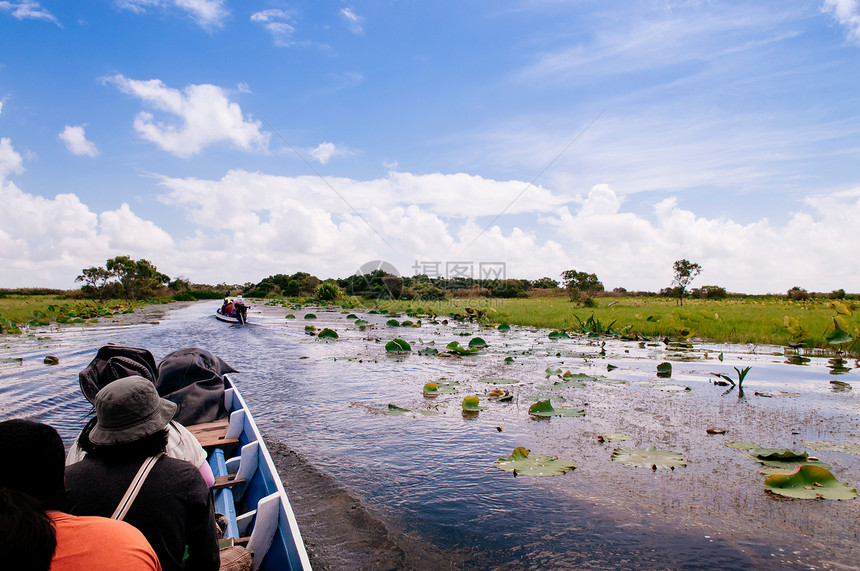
{"points": [[240, 317], [248, 489]]}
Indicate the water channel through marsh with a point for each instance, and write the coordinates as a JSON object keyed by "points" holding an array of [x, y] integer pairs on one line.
{"points": [[418, 489]]}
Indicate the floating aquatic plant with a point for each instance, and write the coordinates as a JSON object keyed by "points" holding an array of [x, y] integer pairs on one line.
{"points": [[504, 327], [310, 316], [664, 370], [558, 335], [51, 360], [472, 404], [394, 410], [440, 388], [392, 323], [545, 408], [845, 448], [328, 334], [809, 482], [522, 462], [477, 343], [613, 437], [495, 381], [398, 346], [649, 458]]}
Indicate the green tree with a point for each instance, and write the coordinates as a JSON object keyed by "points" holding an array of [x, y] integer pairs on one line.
{"points": [[138, 279], [685, 271], [579, 283], [328, 291], [96, 281]]}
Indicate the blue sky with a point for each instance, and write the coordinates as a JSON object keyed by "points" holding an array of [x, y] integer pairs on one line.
{"points": [[226, 141]]}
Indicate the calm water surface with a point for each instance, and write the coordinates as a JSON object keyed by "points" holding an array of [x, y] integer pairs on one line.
{"points": [[431, 478]]}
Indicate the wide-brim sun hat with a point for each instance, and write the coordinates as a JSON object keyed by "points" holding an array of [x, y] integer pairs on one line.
{"points": [[129, 409]]}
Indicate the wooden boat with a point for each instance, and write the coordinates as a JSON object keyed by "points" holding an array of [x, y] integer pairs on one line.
{"points": [[248, 489], [241, 318]]}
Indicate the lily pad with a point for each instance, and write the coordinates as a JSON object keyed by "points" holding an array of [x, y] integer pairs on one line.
{"points": [[782, 461], [504, 327], [440, 388], [828, 447], [664, 370], [289, 316], [649, 458], [558, 335], [394, 410], [545, 408], [392, 323], [500, 395], [809, 482], [51, 360], [522, 462], [428, 351], [472, 404], [310, 316], [398, 346], [477, 343], [550, 372], [352, 316], [327, 334]]}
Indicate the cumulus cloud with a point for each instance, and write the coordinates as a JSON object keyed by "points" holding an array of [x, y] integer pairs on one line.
{"points": [[286, 224], [353, 20], [208, 14], [324, 152], [202, 115], [278, 23], [28, 10], [847, 13], [76, 141]]}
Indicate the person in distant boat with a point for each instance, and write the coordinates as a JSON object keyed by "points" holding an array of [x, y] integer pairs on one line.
{"points": [[241, 310], [31, 490], [173, 508], [228, 308]]}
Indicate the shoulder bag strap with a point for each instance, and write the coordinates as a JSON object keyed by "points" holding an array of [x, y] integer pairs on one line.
{"points": [[134, 488]]}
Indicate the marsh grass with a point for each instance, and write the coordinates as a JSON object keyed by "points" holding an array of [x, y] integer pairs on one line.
{"points": [[37, 310], [746, 320]]}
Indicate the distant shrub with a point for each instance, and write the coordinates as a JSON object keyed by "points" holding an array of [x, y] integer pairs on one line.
{"points": [[798, 294], [837, 294], [709, 292]]}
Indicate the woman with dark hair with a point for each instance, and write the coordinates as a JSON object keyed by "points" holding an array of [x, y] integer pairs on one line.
{"points": [[27, 536], [170, 504], [31, 496]]}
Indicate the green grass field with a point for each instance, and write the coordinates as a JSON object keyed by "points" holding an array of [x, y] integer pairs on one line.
{"points": [[39, 310], [771, 321]]}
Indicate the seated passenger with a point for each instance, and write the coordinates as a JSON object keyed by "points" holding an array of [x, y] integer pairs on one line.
{"points": [[173, 508], [35, 469]]}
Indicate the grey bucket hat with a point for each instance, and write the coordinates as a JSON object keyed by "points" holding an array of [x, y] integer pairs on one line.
{"points": [[129, 409]]}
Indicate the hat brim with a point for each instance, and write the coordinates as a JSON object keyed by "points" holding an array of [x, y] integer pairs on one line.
{"points": [[157, 421]]}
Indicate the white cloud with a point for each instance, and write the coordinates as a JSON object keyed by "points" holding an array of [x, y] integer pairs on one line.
{"points": [[203, 116], [76, 141], [353, 20], [1, 106], [28, 10], [847, 13], [278, 224], [10, 159], [278, 24], [324, 152], [208, 14]]}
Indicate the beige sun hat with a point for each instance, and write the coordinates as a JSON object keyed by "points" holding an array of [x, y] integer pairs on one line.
{"points": [[129, 409]]}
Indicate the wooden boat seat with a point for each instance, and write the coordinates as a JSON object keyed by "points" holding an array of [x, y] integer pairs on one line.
{"points": [[213, 434]]}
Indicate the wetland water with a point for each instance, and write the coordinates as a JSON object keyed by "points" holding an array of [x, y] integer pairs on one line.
{"points": [[414, 491]]}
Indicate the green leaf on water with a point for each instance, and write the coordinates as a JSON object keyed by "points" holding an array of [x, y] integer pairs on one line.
{"points": [[494, 381], [428, 351], [550, 371], [51, 360], [743, 445], [780, 460], [809, 482], [839, 337], [352, 316], [664, 370], [310, 316], [558, 335], [289, 316], [472, 404], [398, 346], [327, 334], [522, 462], [477, 343], [509, 359], [845, 448], [392, 323], [440, 388], [545, 408], [394, 410], [504, 327], [649, 458]]}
